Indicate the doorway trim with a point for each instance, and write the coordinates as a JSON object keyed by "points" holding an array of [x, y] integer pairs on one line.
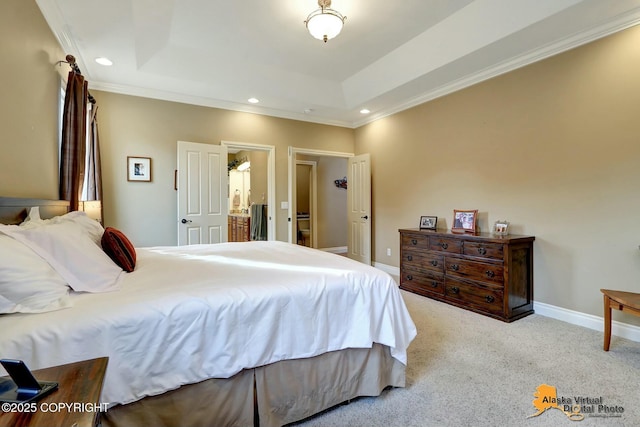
{"points": [[291, 171], [271, 178], [313, 200]]}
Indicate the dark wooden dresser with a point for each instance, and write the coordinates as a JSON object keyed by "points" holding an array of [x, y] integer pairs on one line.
{"points": [[488, 274]]}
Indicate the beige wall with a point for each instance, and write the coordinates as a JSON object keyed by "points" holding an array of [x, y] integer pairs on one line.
{"points": [[303, 185], [29, 108], [134, 126], [553, 147], [332, 203], [259, 176]]}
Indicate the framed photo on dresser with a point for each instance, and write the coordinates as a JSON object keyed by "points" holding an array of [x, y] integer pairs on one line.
{"points": [[428, 222], [464, 221]]}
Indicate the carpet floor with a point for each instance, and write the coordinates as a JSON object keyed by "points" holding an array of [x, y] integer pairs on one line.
{"points": [[465, 369]]}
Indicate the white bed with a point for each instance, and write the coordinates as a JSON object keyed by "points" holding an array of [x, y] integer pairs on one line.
{"points": [[251, 313]]}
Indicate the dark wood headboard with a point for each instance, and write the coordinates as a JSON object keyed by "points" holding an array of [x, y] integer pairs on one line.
{"points": [[14, 210]]}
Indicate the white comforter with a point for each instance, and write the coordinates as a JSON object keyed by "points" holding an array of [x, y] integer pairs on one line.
{"points": [[194, 312]]}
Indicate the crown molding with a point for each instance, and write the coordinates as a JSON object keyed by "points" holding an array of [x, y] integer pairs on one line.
{"points": [[53, 17], [210, 102], [621, 23]]}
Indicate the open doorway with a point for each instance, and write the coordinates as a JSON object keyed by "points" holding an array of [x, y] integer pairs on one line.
{"points": [[251, 191], [327, 216]]}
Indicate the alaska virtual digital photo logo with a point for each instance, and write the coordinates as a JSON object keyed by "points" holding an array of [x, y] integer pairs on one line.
{"points": [[575, 408]]}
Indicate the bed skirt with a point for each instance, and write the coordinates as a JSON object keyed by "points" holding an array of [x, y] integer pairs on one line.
{"points": [[268, 396]]}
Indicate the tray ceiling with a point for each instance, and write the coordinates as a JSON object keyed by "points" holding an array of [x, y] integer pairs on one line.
{"points": [[391, 55]]}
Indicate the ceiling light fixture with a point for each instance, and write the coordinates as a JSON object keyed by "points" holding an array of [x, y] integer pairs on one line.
{"points": [[325, 23], [253, 100], [364, 111]]}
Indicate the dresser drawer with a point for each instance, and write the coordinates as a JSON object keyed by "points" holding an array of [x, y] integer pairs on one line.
{"points": [[485, 298], [484, 250], [445, 244], [423, 260], [468, 269], [413, 241], [428, 281]]}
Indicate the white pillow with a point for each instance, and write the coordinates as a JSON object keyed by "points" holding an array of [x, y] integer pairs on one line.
{"points": [[28, 284], [72, 253], [90, 226]]}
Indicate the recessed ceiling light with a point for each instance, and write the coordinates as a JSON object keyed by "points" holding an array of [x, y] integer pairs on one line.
{"points": [[104, 61], [308, 110], [253, 100], [364, 111]]}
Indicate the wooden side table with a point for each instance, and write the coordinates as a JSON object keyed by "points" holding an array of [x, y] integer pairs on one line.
{"points": [[76, 402], [629, 302]]}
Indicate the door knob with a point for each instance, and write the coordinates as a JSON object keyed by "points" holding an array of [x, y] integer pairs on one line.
{"points": [[365, 217], [184, 221]]}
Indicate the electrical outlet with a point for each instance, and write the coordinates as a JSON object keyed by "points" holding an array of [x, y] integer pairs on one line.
{"points": [[388, 251]]}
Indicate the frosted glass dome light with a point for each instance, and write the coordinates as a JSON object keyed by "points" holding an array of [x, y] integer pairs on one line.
{"points": [[325, 23]]}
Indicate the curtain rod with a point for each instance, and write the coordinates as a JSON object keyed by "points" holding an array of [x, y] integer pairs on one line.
{"points": [[71, 60]]}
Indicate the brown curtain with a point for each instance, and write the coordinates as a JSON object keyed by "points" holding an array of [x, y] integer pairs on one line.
{"points": [[74, 134], [94, 169]]}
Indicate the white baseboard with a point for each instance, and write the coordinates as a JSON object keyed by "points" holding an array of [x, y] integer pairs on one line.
{"points": [[335, 250], [394, 271], [590, 321]]}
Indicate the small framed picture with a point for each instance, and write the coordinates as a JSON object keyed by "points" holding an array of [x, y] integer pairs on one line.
{"points": [[501, 228], [464, 221], [428, 222], [138, 168]]}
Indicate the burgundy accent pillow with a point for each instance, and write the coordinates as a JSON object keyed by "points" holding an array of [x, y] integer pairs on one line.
{"points": [[119, 248]]}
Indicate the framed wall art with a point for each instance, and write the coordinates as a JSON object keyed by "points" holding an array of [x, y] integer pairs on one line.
{"points": [[139, 168], [464, 221], [428, 222]]}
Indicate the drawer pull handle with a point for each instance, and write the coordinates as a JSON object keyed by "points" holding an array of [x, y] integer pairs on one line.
{"points": [[482, 251], [455, 267], [490, 273], [414, 242], [489, 298], [444, 245], [409, 277], [434, 263], [434, 284], [409, 258], [455, 290]]}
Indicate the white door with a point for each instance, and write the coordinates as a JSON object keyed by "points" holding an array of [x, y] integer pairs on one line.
{"points": [[359, 208], [202, 193]]}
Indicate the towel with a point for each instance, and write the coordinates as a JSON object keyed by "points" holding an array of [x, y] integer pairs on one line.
{"points": [[258, 222]]}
